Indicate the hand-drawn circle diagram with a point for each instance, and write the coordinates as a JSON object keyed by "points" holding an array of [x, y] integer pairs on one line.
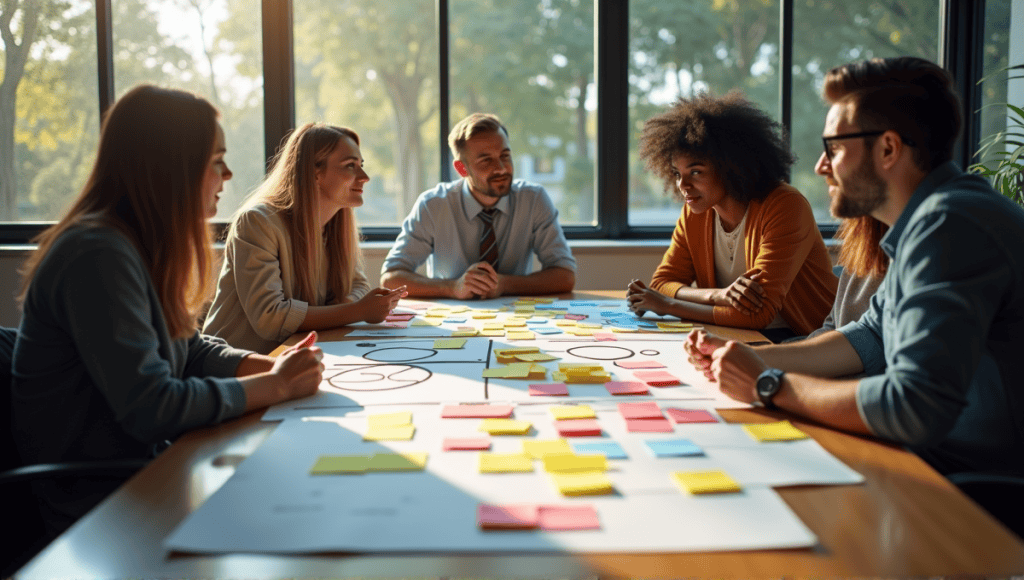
{"points": [[649, 352], [395, 354], [601, 352], [375, 377]]}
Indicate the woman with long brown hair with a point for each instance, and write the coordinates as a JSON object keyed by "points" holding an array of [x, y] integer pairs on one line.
{"points": [[109, 363], [292, 259]]}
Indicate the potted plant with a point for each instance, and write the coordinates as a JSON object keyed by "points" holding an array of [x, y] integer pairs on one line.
{"points": [[1002, 154]]}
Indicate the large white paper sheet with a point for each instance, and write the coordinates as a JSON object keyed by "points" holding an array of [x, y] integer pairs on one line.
{"points": [[273, 505]]}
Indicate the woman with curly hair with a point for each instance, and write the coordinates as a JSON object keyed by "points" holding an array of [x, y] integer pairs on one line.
{"points": [[292, 260], [746, 251]]}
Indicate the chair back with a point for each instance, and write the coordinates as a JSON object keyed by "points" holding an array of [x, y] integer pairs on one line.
{"points": [[8, 454]]}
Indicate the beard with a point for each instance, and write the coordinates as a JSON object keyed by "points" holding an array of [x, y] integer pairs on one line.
{"points": [[863, 193], [492, 191]]}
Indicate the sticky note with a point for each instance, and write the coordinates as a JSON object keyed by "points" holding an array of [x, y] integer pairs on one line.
{"points": [[690, 416], [626, 388], [547, 330], [573, 412], [510, 355], [467, 332], [649, 426], [536, 357], [657, 378], [778, 431], [673, 448], [538, 448], [580, 331], [390, 433], [520, 335], [484, 315], [609, 449], [339, 464], [586, 483], [578, 428], [389, 419], [565, 322], [466, 443], [697, 482], [549, 389], [450, 343], [645, 410], [563, 518], [455, 320], [576, 316], [508, 516], [475, 411], [400, 324], [415, 461], [505, 427], [492, 333], [505, 463], [639, 364], [425, 322], [400, 317], [572, 463]]}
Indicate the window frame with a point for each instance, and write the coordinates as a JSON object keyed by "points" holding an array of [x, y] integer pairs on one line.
{"points": [[961, 42]]}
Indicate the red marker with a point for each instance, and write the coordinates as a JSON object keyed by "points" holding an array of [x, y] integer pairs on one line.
{"points": [[307, 342]]}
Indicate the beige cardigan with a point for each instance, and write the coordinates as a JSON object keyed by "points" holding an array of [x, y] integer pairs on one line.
{"points": [[254, 306]]}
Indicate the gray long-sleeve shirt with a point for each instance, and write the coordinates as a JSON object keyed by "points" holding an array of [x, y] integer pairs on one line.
{"points": [[943, 337]]}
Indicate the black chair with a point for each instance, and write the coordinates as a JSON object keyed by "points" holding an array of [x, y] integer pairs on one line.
{"points": [[28, 532], [1002, 495]]}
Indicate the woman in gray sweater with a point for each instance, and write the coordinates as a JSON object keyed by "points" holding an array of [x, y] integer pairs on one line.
{"points": [[109, 363]]}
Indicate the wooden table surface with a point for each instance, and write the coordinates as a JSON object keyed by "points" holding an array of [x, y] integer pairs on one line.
{"points": [[904, 520]]}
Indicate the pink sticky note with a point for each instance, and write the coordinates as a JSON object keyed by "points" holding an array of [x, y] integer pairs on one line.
{"points": [[466, 443], [578, 427], [400, 317], [550, 389], [415, 305], [645, 410], [397, 324], [476, 411], [639, 364], [556, 518], [626, 388], [576, 316], [657, 378], [691, 416], [599, 336], [508, 516], [649, 426]]}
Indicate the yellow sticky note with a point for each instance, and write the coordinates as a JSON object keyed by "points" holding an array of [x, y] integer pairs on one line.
{"points": [[393, 433], [449, 343], [389, 419], [458, 308], [468, 332], [536, 357], [500, 332], [339, 464], [505, 426], [697, 482], [414, 461], [505, 463], [573, 412], [580, 331], [585, 483], [513, 322], [565, 322], [424, 322], [538, 448], [572, 463], [495, 373], [778, 431], [593, 325], [484, 315], [520, 335]]}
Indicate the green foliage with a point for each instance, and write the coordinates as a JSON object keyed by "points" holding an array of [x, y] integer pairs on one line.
{"points": [[1002, 153]]}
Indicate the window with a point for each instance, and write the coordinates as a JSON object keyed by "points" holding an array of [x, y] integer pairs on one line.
{"points": [[402, 73]]}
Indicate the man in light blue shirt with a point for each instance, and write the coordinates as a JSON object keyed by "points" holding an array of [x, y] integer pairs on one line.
{"points": [[942, 341], [478, 235]]}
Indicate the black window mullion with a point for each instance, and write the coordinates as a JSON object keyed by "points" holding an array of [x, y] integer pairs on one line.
{"points": [[611, 71], [278, 74]]}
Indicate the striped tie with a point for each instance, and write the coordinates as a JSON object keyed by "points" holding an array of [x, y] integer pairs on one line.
{"points": [[488, 243]]}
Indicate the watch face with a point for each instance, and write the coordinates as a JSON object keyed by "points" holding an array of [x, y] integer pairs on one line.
{"points": [[769, 383]]}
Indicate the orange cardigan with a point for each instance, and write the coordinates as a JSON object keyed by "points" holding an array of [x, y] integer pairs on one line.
{"points": [[781, 239]]}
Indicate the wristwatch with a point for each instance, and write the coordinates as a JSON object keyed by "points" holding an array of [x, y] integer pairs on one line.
{"points": [[769, 383]]}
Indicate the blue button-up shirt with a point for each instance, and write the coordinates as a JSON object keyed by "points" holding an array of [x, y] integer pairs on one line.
{"points": [[444, 230], [943, 339]]}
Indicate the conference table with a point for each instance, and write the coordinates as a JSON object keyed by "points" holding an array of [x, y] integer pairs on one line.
{"points": [[903, 520]]}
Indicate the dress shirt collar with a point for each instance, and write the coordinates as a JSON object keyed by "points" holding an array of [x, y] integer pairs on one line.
{"points": [[928, 185], [473, 207]]}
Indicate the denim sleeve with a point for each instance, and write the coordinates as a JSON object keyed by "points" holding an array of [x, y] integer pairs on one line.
{"points": [[952, 277], [865, 335], [415, 242]]}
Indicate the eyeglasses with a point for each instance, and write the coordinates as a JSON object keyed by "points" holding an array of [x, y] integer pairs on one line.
{"points": [[828, 150]]}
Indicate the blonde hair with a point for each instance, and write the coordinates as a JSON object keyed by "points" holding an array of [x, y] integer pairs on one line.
{"points": [[470, 126], [291, 189], [155, 145]]}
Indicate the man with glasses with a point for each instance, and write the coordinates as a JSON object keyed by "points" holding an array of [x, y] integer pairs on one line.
{"points": [[941, 343]]}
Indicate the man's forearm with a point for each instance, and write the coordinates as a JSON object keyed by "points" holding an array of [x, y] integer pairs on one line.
{"points": [[827, 355], [828, 401], [417, 285]]}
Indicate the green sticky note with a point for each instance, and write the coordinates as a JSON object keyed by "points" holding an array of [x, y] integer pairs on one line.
{"points": [[339, 465], [397, 462]]}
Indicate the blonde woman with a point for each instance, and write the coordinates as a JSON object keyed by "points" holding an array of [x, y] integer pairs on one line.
{"points": [[108, 363], [292, 260]]}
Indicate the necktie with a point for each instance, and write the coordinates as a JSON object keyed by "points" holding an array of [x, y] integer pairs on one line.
{"points": [[488, 243]]}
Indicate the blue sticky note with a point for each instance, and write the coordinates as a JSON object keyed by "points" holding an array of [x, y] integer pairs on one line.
{"points": [[454, 320], [537, 321], [581, 303], [546, 329], [646, 324], [673, 448], [610, 449]]}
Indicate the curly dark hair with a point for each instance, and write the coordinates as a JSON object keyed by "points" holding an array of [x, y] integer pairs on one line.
{"points": [[746, 147]]}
